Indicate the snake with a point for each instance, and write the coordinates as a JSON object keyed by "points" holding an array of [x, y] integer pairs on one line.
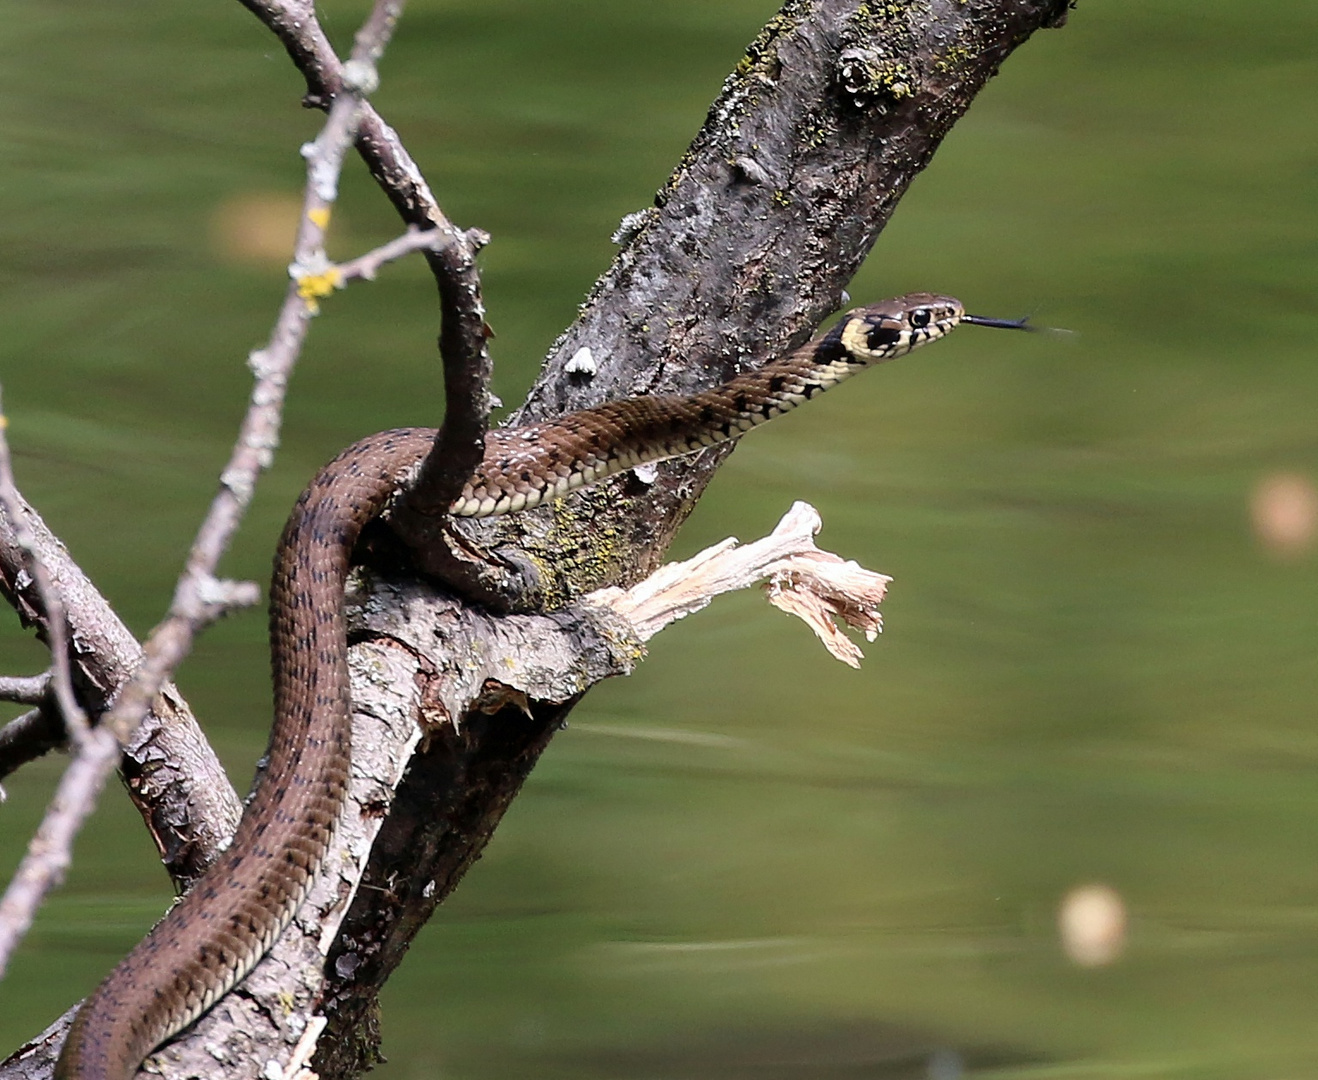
{"points": [[231, 917]]}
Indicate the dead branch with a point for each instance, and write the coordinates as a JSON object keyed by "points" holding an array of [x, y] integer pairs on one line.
{"points": [[25, 689], [816, 586]]}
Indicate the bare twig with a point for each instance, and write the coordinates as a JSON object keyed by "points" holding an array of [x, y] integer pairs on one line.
{"points": [[200, 597], [25, 689], [365, 267]]}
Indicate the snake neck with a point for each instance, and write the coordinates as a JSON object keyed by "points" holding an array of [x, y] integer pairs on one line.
{"points": [[538, 463]]}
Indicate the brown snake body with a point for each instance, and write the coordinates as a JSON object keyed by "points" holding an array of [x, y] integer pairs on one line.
{"points": [[228, 921]]}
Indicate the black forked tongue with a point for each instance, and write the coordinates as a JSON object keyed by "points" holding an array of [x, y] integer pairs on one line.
{"points": [[1001, 324]]}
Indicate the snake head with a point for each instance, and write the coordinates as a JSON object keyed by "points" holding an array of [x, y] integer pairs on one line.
{"points": [[892, 328]]}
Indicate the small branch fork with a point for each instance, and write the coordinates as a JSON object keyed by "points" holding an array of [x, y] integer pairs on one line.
{"points": [[200, 597]]}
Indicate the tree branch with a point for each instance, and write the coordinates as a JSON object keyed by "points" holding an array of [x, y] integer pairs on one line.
{"points": [[25, 689], [460, 444], [833, 111]]}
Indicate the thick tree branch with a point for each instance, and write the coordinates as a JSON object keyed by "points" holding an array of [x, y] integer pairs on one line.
{"points": [[836, 107]]}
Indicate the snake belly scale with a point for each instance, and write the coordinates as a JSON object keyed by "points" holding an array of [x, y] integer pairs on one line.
{"points": [[232, 916]]}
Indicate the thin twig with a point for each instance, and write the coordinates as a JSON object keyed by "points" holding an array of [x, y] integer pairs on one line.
{"points": [[57, 631], [365, 267], [25, 689], [200, 597], [295, 24]]}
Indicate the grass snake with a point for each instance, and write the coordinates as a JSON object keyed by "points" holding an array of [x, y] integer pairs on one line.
{"points": [[232, 916]]}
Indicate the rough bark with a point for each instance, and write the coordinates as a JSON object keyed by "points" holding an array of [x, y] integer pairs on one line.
{"points": [[834, 109]]}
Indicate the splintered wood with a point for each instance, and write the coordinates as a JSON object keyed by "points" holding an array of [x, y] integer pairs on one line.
{"points": [[816, 586]]}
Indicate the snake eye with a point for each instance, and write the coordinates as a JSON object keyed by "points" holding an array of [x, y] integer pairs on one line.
{"points": [[920, 318], [882, 337]]}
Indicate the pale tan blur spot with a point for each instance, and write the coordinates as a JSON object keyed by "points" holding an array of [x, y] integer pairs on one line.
{"points": [[1091, 923], [1284, 510], [257, 228]]}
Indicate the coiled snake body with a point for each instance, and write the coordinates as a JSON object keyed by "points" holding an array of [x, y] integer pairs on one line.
{"points": [[232, 916]]}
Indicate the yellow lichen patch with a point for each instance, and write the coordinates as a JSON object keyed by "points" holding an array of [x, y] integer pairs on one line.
{"points": [[313, 287], [953, 59], [319, 217]]}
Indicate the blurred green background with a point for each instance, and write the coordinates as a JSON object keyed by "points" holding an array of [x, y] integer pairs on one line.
{"points": [[746, 860]]}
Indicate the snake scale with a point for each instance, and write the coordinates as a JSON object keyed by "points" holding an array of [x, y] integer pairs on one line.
{"points": [[214, 936]]}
